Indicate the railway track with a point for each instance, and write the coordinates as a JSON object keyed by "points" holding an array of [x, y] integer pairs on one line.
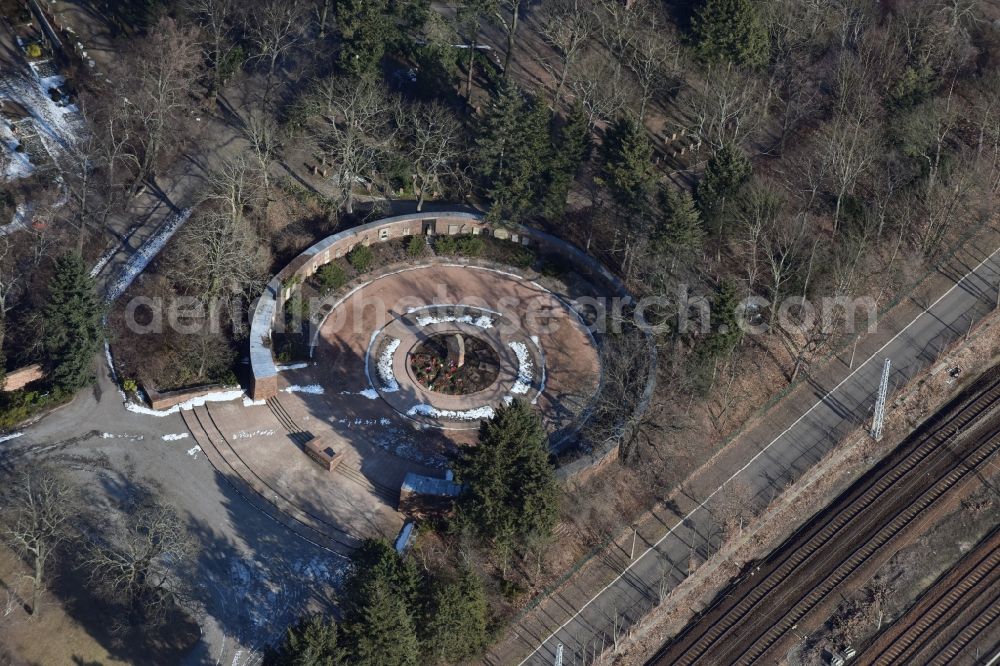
{"points": [[769, 600], [947, 618]]}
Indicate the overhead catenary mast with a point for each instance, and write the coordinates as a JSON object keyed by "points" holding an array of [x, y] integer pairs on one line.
{"points": [[883, 392]]}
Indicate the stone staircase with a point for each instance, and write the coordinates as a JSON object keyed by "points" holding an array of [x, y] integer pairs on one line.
{"points": [[258, 492], [300, 437]]}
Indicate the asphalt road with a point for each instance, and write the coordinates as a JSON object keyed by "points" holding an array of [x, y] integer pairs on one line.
{"points": [[784, 451], [252, 577]]}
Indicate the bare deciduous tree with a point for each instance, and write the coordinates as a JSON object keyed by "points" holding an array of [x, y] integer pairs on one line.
{"points": [[264, 136], [566, 25], [469, 19], [321, 10], [236, 186], [38, 506], [602, 92], [653, 59], [274, 27], [11, 281], [946, 203], [217, 21], [352, 128], [434, 146], [774, 239], [219, 254], [727, 108], [507, 14], [137, 560], [625, 363], [849, 146], [154, 91], [735, 506]]}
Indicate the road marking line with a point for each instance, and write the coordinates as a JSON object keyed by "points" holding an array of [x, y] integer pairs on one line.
{"points": [[759, 454]]}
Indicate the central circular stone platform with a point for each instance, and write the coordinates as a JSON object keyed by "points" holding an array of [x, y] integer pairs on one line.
{"points": [[521, 342], [454, 364], [515, 356]]}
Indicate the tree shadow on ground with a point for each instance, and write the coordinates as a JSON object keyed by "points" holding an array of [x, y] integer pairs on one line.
{"points": [[103, 617], [257, 583]]}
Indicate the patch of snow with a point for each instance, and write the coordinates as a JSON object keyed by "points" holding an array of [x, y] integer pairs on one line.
{"points": [[10, 436], [200, 401], [175, 437], [365, 422], [482, 321], [385, 367], [292, 366], [399, 443], [20, 165], [525, 368], [314, 389], [22, 213], [369, 393], [250, 402], [193, 451], [103, 261], [541, 356], [57, 125], [475, 414], [137, 262], [111, 366], [256, 433]]}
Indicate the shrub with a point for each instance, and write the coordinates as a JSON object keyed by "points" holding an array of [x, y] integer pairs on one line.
{"points": [[554, 267], [415, 246], [129, 385], [445, 245], [33, 51], [330, 278], [18, 406], [522, 258], [470, 246], [361, 258]]}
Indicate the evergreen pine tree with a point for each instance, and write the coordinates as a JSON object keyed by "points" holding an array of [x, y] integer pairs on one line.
{"points": [[680, 231], [368, 28], [512, 153], [628, 166], [725, 333], [72, 324], [571, 149], [376, 560], [728, 169], [312, 642], [455, 626], [718, 342], [380, 599], [730, 30], [510, 485], [381, 633]]}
